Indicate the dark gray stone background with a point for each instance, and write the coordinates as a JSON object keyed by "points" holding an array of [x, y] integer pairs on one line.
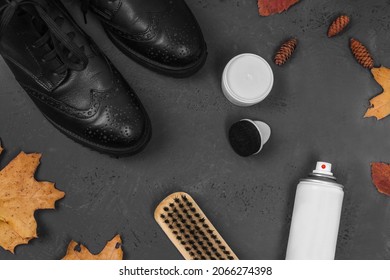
{"points": [[315, 110]]}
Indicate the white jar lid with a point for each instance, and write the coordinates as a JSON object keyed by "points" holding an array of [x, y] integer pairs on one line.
{"points": [[247, 79]]}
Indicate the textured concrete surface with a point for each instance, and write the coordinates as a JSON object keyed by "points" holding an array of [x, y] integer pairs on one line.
{"points": [[315, 110]]}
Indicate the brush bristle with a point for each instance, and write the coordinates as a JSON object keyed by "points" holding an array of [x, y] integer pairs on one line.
{"points": [[245, 138], [193, 231]]}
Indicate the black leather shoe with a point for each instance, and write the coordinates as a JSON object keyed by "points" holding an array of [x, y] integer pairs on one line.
{"points": [[162, 35], [68, 78]]}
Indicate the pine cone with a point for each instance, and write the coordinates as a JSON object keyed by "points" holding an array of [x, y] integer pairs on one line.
{"points": [[285, 51], [338, 25], [361, 54]]}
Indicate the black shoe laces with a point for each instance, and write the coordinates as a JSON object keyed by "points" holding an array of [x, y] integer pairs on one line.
{"points": [[72, 56]]}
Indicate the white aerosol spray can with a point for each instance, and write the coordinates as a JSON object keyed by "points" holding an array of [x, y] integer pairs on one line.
{"points": [[316, 216]]}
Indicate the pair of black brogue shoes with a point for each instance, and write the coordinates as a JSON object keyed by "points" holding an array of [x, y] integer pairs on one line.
{"points": [[74, 85]]}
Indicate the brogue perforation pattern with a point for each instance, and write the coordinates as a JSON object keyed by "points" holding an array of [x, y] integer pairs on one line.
{"points": [[145, 36]]}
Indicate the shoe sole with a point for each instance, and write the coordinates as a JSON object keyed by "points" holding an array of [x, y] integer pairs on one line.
{"points": [[107, 150], [181, 72]]}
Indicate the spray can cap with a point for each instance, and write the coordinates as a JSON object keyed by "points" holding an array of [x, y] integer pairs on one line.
{"points": [[324, 168]]}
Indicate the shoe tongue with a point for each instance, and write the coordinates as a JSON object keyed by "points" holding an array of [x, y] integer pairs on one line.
{"points": [[41, 27], [27, 9], [37, 22]]}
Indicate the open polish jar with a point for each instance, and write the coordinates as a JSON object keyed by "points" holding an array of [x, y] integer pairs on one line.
{"points": [[247, 80]]}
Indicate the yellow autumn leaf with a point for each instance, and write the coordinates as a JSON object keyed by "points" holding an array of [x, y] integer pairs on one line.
{"points": [[20, 196], [112, 251], [380, 104]]}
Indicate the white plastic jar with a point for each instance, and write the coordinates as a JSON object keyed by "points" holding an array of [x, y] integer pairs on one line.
{"points": [[247, 80]]}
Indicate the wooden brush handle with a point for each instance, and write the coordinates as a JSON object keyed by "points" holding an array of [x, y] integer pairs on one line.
{"points": [[162, 210]]}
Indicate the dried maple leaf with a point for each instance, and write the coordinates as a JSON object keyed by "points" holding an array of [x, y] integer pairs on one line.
{"points": [[20, 196], [380, 173], [112, 251], [270, 7], [380, 105]]}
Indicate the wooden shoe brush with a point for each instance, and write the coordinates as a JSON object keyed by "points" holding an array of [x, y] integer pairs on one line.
{"points": [[189, 229]]}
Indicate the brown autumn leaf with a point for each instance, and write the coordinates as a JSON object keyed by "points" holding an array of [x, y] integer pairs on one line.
{"points": [[112, 251], [20, 196], [380, 104], [380, 173], [270, 7]]}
